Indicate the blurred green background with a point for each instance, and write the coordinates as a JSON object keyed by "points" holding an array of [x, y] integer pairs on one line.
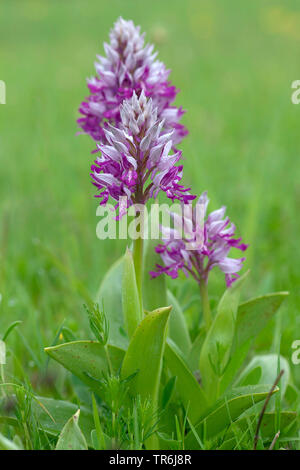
{"points": [[234, 63]]}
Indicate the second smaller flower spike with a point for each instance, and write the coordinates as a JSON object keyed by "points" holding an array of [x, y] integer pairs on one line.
{"points": [[204, 244], [137, 162]]}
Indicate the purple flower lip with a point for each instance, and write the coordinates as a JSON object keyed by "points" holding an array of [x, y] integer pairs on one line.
{"points": [[137, 160], [129, 66], [216, 234]]}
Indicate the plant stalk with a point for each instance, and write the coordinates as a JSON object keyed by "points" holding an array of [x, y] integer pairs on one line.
{"points": [[205, 305], [138, 251]]}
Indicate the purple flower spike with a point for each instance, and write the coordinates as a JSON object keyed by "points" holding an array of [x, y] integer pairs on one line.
{"points": [[129, 65], [137, 161], [198, 259]]}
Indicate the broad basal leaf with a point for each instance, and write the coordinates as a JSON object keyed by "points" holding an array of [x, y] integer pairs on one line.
{"points": [[87, 360], [166, 443], [226, 410], [234, 365], [189, 390], [254, 315], [71, 436], [291, 395], [145, 353], [267, 370], [52, 415], [144, 358]]}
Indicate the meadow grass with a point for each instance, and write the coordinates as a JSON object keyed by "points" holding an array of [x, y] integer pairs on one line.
{"points": [[234, 63]]}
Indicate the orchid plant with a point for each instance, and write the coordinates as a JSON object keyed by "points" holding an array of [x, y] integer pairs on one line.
{"points": [[169, 388]]}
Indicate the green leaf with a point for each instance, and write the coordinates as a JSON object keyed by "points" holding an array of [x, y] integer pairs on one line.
{"points": [[190, 392], [166, 443], [110, 294], [144, 359], [216, 349], [228, 444], [87, 360], [251, 378], [266, 367], [291, 395], [178, 330], [130, 296], [195, 351], [225, 411], [145, 353], [254, 315], [235, 363], [52, 415], [71, 437], [154, 290], [168, 392]]}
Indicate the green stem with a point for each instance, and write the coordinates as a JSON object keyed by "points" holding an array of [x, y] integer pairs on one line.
{"points": [[138, 250], [205, 305]]}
